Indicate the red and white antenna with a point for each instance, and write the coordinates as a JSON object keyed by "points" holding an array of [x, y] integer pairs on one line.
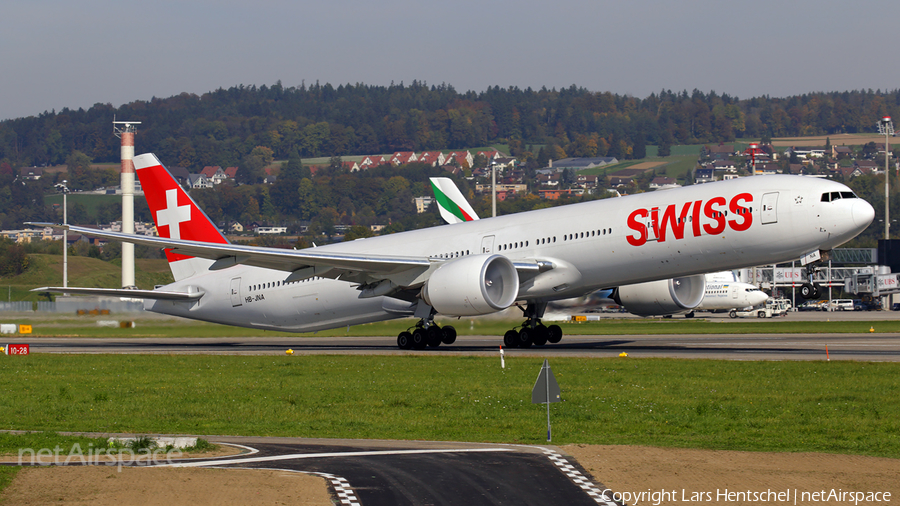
{"points": [[125, 130], [753, 150]]}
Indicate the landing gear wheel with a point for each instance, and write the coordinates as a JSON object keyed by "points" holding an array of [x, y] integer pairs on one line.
{"points": [[448, 334], [525, 338], [555, 335], [511, 339], [541, 334], [810, 291], [689, 315], [404, 341], [419, 339], [806, 291], [433, 336], [817, 291]]}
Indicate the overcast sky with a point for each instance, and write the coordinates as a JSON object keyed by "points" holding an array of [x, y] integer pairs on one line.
{"points": [[59, 54]]}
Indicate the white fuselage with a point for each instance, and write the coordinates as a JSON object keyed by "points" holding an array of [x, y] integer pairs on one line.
{"points": [[604, 243]]}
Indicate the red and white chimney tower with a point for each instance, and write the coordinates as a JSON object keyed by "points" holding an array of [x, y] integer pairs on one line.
{"points": [[125, 130]]}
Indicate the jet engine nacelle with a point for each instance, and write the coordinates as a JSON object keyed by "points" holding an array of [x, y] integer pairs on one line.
{"points": [[663, 297], [473, 285]]}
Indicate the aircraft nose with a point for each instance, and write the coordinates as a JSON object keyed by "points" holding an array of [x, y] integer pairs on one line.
{"points": [[863, 213]]}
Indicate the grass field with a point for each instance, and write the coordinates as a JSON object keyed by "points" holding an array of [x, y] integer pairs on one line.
{"points": [[674, 166], [838, 407]]}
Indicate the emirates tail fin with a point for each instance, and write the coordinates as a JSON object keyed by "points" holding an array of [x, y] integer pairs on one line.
{"points": [[453, 206], [176, 215]]}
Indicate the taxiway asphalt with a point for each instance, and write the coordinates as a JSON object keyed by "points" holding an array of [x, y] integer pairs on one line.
{"points": [[863, 346]]}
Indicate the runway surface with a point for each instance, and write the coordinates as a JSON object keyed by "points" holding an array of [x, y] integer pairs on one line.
{"points": [[868, 347], [397, 473], [393, 473]]}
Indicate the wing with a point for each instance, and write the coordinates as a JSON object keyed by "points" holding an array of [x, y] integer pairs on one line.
{"points": [[404, 271], [122, 292]]}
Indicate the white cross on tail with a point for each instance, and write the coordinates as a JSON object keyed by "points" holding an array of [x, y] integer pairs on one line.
{"points": [[173, 215]]}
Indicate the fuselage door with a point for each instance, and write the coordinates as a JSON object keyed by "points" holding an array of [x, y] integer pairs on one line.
{"points": [[769, 204], [487, 244], [236, 292]]}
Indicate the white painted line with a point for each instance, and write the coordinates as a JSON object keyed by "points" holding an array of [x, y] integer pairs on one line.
{"points": [[327, 455]]}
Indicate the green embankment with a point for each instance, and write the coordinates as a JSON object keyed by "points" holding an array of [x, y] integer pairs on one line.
{"points": [[838, 407], [47, 270]]}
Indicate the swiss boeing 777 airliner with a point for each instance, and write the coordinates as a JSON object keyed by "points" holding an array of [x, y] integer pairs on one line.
{"points": [[483, 266]]}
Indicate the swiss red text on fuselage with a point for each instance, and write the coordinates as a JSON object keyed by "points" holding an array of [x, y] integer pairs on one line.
{"points": [[688, 218]]}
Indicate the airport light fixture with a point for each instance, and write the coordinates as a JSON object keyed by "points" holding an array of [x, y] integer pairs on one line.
{"points": [[65, 190], [493, 189], [886, 128]]}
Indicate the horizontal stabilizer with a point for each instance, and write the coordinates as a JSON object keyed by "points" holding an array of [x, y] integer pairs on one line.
{"points": [[122, 292]]}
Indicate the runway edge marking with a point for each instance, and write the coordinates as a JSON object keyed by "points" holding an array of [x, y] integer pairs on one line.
{"points": [[341, 486], [575, 475]]}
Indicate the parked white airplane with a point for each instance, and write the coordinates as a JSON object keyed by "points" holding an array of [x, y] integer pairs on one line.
{"points": [[724, 293], [721, 291], [484, 266]]}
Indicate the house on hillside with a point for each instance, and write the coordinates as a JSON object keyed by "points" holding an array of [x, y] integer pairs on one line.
{"points": [[841, 152], [463, 158], [31, 173], [503, 162], [578, 163], [704, 175], [804, 153], [371, 161], [719, 152], [180, 174], [724, 166], [663, 183], [556, 194], [586, 182], [423, 203], [433, 158], [214, 174], [403, 157], [199, 181], [868, 167], [549, 180]]}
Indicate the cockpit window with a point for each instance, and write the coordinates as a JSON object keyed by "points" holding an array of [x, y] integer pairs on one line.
{"points": [[831, 197]]}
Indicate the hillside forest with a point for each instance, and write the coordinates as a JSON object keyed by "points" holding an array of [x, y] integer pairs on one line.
{"points": [[250, 127]]}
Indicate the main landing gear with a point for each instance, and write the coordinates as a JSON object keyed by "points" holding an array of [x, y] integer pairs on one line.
{"points": [[532, 331], [426, 333]]}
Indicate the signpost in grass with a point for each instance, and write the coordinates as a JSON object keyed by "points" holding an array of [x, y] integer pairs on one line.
{"points": [[545, 391]]}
